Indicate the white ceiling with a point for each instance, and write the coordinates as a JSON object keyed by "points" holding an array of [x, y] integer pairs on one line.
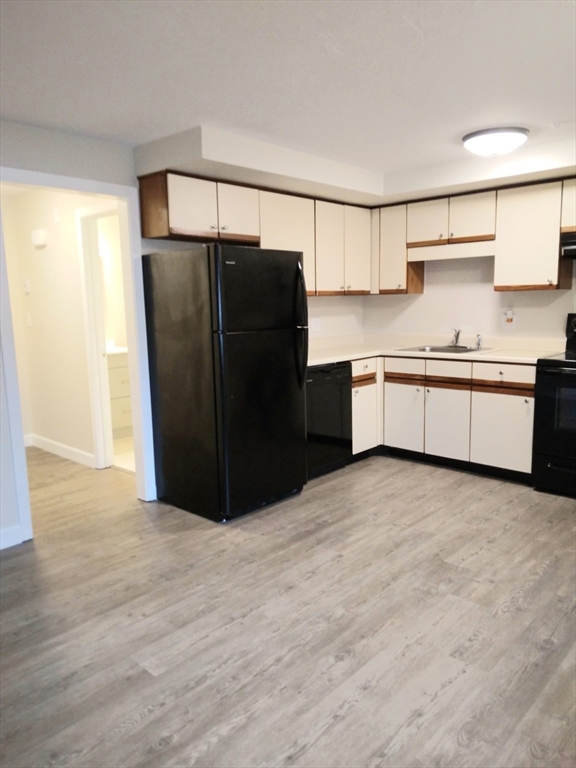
{"points": [[383, 85]]}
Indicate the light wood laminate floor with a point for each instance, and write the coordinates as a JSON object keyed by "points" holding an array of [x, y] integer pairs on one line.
{"points": [[394, 614]]}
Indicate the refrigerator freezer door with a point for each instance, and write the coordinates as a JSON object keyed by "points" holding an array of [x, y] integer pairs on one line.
{"points": [[255, 289], [262, 419]]}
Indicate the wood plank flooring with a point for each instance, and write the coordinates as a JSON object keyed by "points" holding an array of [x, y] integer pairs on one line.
{"points": [[394, 614]]}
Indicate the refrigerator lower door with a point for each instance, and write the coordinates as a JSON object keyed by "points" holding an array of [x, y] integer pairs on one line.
{"points": [[261, 419]]}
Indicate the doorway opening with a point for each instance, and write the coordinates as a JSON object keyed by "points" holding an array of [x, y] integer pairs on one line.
{"points": [[64, 260]]}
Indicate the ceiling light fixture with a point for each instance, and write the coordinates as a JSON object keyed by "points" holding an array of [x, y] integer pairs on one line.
{"points": [[492, 142]]}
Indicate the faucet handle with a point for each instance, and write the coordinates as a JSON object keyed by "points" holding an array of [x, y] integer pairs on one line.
{"points": [[478, 341]]}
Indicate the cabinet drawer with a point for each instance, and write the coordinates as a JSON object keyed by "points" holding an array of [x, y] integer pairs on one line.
{"points": [[364, 367], [119, 382], [503, 373], [118, 361], [409, 365], [121, 412], [449, 369]]}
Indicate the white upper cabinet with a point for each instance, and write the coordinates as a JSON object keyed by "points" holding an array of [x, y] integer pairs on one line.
{"points": [[356, 249], [528, 238], [427, 222], [287, 223], [472, 217], [238, 213], [568, 223], [192, 207], [329, 248], [393, 249]]}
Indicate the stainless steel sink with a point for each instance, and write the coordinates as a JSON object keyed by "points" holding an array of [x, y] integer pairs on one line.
{"points": [[448, 349]]}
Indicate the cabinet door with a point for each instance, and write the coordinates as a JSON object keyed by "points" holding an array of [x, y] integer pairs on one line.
{"points": [[447, 423], [568, 222], [393, 249], [356, 249], [329, 248], [404, 416], [364, 418], [473, 217], [287, 223], [501, 430], [428, 222], [238, 213], [192, 207], [528, 237]]}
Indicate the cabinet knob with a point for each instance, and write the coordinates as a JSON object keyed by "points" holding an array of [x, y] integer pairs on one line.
{"points": [[501, 373], [341, 287], [417, 389], [440, 236], [348, 287], [428, 391], [223, 227], [213, 226], [526, 401], [549, 282], [451, 234], [399, 285]]}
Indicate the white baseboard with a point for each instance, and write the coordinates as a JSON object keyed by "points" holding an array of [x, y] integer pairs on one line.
{"points": [[65, 451], [11, 536]]}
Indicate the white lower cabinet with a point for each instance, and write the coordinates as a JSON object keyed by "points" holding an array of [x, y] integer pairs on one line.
{"points": [[501, 430], [364, 417], [447, 423], [404, 416]]}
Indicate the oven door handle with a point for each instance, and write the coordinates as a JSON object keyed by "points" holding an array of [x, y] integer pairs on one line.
{"points": [[558, 371], [556, 468]]}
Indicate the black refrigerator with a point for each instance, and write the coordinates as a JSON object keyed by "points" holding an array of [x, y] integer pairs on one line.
{"points": [[227, 334]]}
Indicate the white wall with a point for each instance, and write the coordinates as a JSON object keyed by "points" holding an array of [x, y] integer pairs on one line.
{"points": [[37, 149], [461, 294], [52, 350], [332, 316]]}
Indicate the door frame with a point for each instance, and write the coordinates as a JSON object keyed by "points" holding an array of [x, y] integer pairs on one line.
{"points": [[129, 213], [93, 305]]}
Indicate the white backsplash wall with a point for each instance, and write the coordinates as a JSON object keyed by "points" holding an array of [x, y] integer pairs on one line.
{"points": [[335, 316], [461, 294]]}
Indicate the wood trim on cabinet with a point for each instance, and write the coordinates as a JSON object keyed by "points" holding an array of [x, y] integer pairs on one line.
{"points": [[329, 293], [357, 293], [153, 192], [200, 234], [471, 239], [423, 243], [363, 382], [226, 236], [565, 269], [500, 390], [546, 287], [415, 277], [386, 291], [565, 230], [404, 378], [448, 384], [363, 376], [448, 380], [310, 293], [502, 384]]}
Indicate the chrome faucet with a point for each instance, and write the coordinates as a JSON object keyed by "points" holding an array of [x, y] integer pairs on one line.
{"points": [[456, 339], [478, 341]]}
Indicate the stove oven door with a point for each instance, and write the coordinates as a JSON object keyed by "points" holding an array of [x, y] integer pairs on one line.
{"points": [[554, 450]]}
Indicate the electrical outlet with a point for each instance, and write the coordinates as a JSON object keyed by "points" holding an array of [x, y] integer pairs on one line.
{"points": [[508, 320]]}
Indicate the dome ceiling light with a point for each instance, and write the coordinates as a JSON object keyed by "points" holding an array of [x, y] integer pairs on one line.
{"points": [[493, 142]]}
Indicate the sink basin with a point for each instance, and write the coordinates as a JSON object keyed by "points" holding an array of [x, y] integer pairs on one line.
{"points": [[448, 349]]}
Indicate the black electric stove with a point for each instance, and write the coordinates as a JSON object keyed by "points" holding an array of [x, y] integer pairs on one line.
{"points": [[554, 446]]}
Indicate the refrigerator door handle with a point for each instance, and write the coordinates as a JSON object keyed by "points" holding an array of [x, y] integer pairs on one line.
{"points": [[301, 327], [301, 289]]}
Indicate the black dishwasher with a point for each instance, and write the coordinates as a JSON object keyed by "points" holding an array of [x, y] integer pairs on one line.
{"points": [[328, 417]]}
